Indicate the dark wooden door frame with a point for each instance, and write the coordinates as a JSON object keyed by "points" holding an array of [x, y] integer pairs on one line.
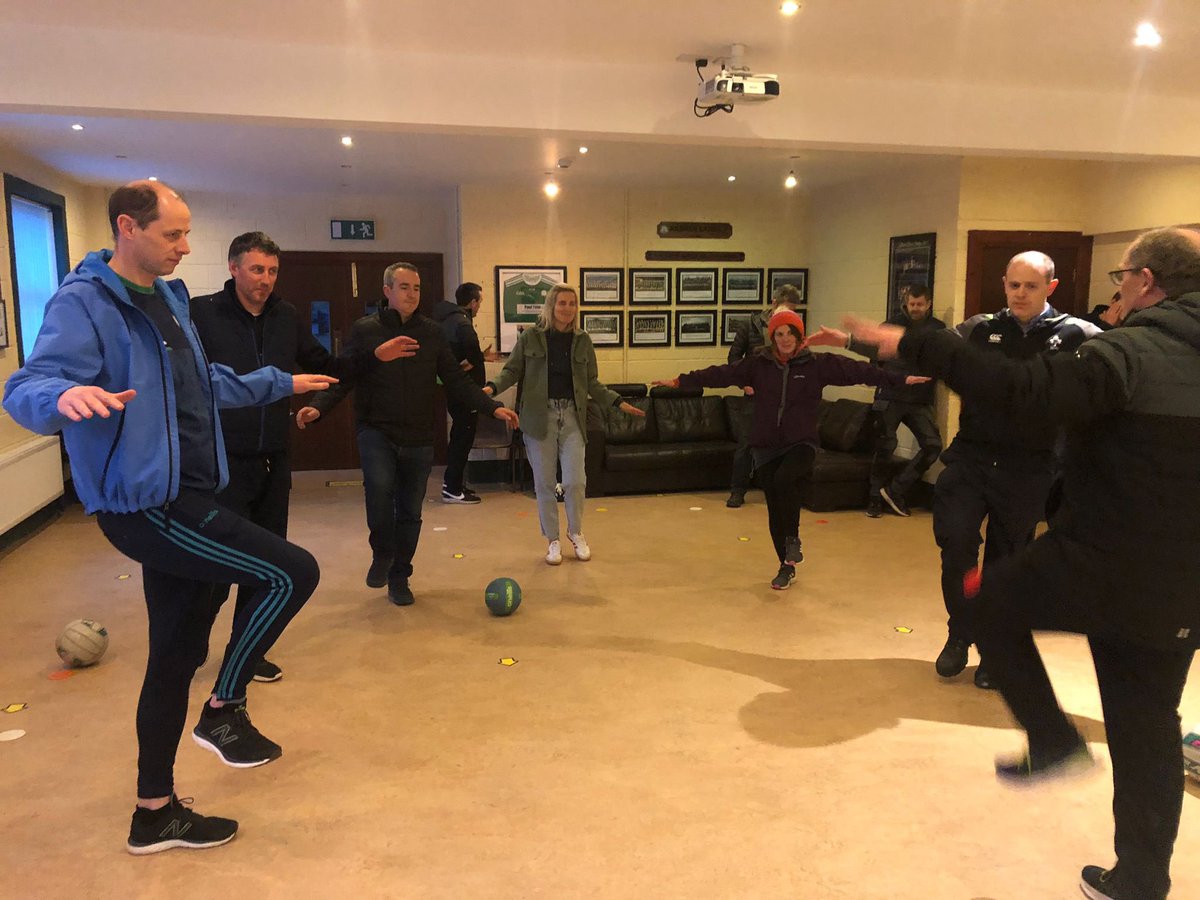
{"points": [[1017, 241]]}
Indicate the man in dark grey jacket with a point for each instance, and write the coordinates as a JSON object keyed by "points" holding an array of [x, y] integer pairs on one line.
{"points": [[1121, 560]]}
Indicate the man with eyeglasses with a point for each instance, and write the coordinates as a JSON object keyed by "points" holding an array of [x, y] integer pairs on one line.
{"points": [[1131, 402]]}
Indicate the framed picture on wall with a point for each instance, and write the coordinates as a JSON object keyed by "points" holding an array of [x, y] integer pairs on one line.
{"points": [[910, 262], [777, 278], [744, 286], [695, 285], [730, 320], [3, 325], [651, 286], [604, 328], [650, 329], [601, 286], [695, 329], [520, 295]]}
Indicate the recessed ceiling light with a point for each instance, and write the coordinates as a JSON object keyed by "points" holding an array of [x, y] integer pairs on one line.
{"points": [[152, 178], [583, 149], [347, 141], [551, 188], [77, 127], [789, 7], [790, 181], [1147, 36], [732, 178]]}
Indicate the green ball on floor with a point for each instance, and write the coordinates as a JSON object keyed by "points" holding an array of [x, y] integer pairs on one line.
{"points": [[502, 596]]}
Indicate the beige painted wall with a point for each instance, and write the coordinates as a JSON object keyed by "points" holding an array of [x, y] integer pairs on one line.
{"points": [[509, 226]]}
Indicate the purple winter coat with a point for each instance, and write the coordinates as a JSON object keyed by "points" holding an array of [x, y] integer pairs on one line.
{"points": [[786, 397]]}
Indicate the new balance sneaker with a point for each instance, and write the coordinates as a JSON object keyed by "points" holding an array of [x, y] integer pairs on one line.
{"points": [[228, 732], [582, 551], [377, 575], [464, 496], [267, 671], [175, 825], [783, 581], [874, 508], [1030, 769], [792, 554], [400, 593], [554, 553], [895, 501]]}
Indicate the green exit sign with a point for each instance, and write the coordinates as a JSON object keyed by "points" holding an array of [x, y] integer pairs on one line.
{"points": [[352, 229]]}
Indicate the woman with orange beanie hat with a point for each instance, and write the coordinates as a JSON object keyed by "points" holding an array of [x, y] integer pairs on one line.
{"points": [[787, 379]]}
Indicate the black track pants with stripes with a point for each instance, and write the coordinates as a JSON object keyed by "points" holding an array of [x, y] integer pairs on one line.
{"points": [[184, 549]]}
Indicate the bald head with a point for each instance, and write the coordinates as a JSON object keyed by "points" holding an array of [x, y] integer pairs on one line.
{"points": [[1037, 260], [1028, 283]]}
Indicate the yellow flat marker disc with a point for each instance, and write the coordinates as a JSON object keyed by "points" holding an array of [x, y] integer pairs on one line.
{"points": [[601, 509], [743, 539], [904, 629], [15, 707], [508, 661], [458, 556], [122, 577], [695, 508]]}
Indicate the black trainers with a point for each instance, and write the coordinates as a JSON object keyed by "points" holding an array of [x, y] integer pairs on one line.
{"points": [[895, 501], [953, 658], [983, 680], [1030, 769], [736, 499], [1098, 883], [464, 496], [792, 554], [400, 593], [783, 581], [874, 508], [377, 575], [229, 733], [267, 671], [156, 830]]}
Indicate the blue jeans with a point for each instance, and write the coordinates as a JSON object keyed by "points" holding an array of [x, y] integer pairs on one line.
{"points": [[394, 482], [564, 443]]}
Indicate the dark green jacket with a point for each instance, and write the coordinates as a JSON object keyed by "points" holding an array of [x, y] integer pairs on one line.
{"points": [[527, 367]]}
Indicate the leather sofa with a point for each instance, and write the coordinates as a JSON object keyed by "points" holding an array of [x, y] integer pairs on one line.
{"points": [[686, 442]]}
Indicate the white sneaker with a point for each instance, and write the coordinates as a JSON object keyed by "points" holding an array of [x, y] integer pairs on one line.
{"points": [[582, 551], [554, 553]]}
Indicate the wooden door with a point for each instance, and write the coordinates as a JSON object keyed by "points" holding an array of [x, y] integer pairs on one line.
{"points": [[988, 253], [333, 291]]}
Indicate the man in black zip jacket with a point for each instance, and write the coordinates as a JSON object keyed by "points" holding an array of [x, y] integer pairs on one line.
{"points": [[1120, 562], [246, 326], [393, 406], [1001, 464]]}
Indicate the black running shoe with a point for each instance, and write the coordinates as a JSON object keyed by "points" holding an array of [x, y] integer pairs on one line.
{"points": [[400, 593], [464, 496], [783, 581], [1107, 884], [267, 671], [156, 830], [377, 575], [874, 508], [895, 501], [1030, 769], [953, 658], [736, 499], [792, 554], [229, 733]]}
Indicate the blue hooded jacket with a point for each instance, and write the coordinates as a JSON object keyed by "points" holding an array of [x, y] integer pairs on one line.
{"points": [[94, 335]]}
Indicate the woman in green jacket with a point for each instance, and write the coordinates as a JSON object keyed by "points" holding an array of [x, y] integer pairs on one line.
{"points": [[555, 365]]}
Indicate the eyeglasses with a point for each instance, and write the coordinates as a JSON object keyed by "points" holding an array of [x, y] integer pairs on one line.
{"points": [[1118, 275]]}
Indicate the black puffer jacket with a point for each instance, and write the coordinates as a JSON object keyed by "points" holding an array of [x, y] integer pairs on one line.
{"points": [[1131, 401]]}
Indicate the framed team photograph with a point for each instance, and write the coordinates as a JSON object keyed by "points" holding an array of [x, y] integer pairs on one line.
{"points": [[604, 328], [777, 278], [910, 262], [695, 329], [744, 286], [650, 329], [601, 287], [695, 285], [520, 295], [650, 286], [730, 320]]}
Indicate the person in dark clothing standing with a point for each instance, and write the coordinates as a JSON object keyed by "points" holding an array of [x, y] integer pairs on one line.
{"points": [[1119, 563], [393, 406], [455, 321], [747, 338], [910, 405], [787, 381], [247, 326]]}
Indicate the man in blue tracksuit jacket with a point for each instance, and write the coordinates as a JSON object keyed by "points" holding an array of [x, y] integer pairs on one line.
{"points": [[119, 370]]}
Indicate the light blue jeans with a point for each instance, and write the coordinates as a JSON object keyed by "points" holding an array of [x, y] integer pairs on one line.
{"points": [[564, 443]]}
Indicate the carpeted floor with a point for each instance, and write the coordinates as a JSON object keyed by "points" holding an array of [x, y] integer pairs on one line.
{"points": [[671, 728]]}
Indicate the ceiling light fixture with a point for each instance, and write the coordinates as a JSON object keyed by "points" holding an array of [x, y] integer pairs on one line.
{"points": [[152, 178], [583, 149], [789, 7], [77, 127], [732, 178], [790, 182], [551, 188], [347, 141], [1147, 36]]}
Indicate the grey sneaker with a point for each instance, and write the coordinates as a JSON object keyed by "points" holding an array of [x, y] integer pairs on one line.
{"points": [[783, 580], [792, 554]]}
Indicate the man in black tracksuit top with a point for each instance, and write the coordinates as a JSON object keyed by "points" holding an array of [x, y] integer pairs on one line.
{"points": [[1121, 560], [393, 406], [1001, 464], [247, 326]]}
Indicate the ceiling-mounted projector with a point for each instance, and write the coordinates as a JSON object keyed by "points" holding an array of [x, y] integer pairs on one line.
{"points": [[728, 88]]}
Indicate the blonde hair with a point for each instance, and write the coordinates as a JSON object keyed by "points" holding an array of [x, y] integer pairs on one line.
{"points": [[545, 320]]}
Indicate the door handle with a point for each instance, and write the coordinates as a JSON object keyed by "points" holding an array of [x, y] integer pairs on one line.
{"points": [[337, 342]]}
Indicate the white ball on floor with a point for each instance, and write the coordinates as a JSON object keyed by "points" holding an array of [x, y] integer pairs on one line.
{"points": [[82, 643]]}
